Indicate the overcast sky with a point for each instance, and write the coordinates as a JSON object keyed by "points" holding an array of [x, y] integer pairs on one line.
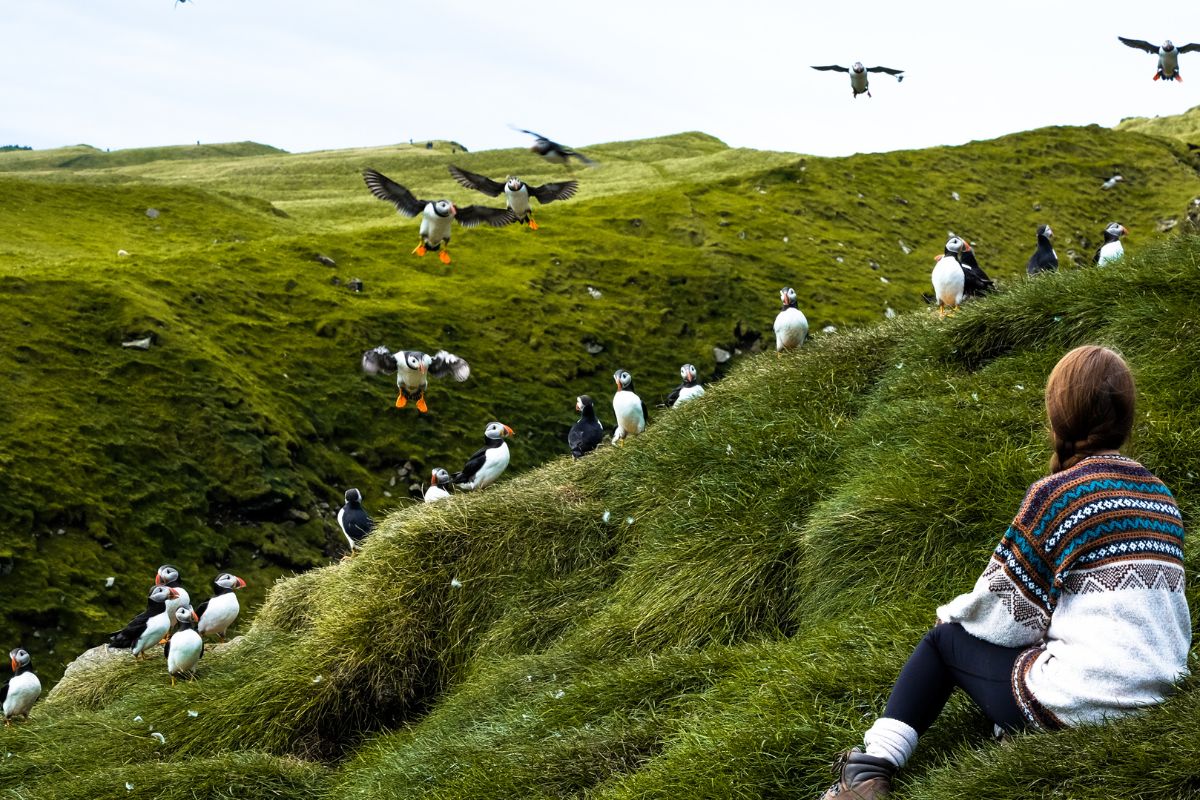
{"points": [[310, 75]]}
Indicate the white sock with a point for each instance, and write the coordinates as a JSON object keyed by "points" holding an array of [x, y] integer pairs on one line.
{"points": [[891, 739]]}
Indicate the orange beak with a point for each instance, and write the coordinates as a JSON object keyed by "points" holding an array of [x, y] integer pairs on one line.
{"points": [[174, 593], [966, 246], [1124, 230], [938, 257], [194, 617], [13, 661], [241, 583], [617, 382], [578, 406], [157, 579], [509, 430]]}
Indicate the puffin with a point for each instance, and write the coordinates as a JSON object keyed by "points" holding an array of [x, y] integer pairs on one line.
{"points": [[791, 326], [554, 152], [690, 389], [148, 627], [218, 612], [1168, 56], [858, 75], [1044, 259], [412, 368], [587, 432], [516, 192], [1112, 249], [487, 463], [628, 407], [438, 479], [977, 282], [23, 689], [949, 278], [353, 521], [168, 576], [184, 649], [436, 215]]}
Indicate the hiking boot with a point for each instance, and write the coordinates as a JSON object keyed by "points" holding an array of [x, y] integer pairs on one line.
{"points": [[860, 777]]}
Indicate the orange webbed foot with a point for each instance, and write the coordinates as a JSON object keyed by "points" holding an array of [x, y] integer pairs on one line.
{"points": [[533, 226], [419, 249], [444, 257], [401, 401], [421, 404]]}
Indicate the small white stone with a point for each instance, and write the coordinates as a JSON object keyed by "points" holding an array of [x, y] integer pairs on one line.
{"points": [[829, 329], [122, 253], [629, 520], [109, 581], [729, 449], [318, 679], [161, 739], [455, 583], [138, 718], [883, 279], [595, 293], [192, 713], [606, 517], [560, 694], [955, 196], [128, 786], [1020, 387], [975, 396], [890, 312]]}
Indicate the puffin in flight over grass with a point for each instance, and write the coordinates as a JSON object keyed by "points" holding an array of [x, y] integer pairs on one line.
{"points": [[1112, 249], [413, 368], [554, 152], [1168, 56], [488, 462], [859, 83], [436, 215], [516, 192]]}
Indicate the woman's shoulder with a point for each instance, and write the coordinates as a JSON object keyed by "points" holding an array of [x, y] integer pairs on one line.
{"points": [[1102, 473]]}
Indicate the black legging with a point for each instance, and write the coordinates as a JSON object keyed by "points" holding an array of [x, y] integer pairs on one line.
{"points": [[947, 657]]}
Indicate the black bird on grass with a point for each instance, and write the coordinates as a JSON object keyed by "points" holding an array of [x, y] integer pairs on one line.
{"points": [[587, 433], [1044, 259], [353, 520]]}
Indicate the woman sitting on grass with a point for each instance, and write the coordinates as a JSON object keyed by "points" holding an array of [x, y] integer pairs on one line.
{"points": [[1080, 615]]}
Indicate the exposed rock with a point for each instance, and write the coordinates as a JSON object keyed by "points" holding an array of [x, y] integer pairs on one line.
{"points": [[326, 260], [1193, 216], [874, 264], [595, 293], [1111, 182], [905, 248], [354, 284], [1165, 225], [122, 254], [335, 280], [954, 195], [829, 329], [889, 313], [298, 515], [152, 213], [139, 344], [636, 222], [593, 347], [721, 355]]}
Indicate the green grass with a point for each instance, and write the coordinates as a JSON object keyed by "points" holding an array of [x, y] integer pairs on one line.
{"points": [[1185, 126]]}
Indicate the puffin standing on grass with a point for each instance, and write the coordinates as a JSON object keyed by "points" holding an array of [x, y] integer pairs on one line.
{"points": [[949, 279], [690, 389], [859, 82], [1112, 249], [438, 479], [413, 368], [554, 152], [185, 647], [977, 282], [516, 192], [629, 409], [23, 689], [148, 627], [218, 612], [488, 462], [587, 432], [1168, 56], [436, 215], [353, 520], [1044, 259], [168, 576], [791, 326]]}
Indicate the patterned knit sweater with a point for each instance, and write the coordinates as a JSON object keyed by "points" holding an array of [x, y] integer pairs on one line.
{"points": [[1090, 573]]}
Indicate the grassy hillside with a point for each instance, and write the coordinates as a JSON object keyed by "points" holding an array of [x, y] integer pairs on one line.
{"points": [[227, 445], [709, 611], [1185, 126]]}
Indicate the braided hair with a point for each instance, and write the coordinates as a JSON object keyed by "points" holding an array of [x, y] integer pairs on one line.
{"points": [[1089, 403]]}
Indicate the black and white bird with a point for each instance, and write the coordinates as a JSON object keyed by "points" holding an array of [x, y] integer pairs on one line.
{"points": [[690, 389], [859, 82], [1168, 56], [23, 689], [185, 647], [148, 627], [436, 215], [412, 369], [353, 520], [977, 282], [1044, 259], [554, 152], [168, 575], [587, 432], [1112, 249], [791, 326], [439, 479], [488, 462], [949, 279], [217, 613], [629, 409], [516, 192]]}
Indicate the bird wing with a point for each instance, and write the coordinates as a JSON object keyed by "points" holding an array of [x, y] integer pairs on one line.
{"points": [[674, 396], [1096, 257], [167, 649], [538, 136], [444, 364], [833, 67], [3, 694], [1189, 48], [568, 153], [470, 216], [201, 608], [645, 413], [479, 183], [379, 359], [1140, 45], [471, 468], [385, 188], [549, 192], [575, 439], [888, 70], [130, 633]]}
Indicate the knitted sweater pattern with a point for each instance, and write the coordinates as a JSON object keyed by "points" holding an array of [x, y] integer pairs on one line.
{"points": [[1090, 577]]}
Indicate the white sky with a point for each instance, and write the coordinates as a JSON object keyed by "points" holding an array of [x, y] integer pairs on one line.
{"points": [[310, 75]]}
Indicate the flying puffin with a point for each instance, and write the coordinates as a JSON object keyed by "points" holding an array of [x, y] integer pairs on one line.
{"points": [[148, 627], [587, 432], [1044, 259], [629, 408], [218, 612], [488, 462], [1168, 56], [977, 282], [435, 214], [554, 152], [185, 647], [690, 389], [516, 192], [1112, 249], [438, 479], [412, 368], [23, 689], [354, 522], [169, 576], [858, 75], [791, 326], [949, 278]]}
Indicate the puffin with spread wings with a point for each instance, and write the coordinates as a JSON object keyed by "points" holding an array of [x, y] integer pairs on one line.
{"points": [[412, 369], [516, 192], [1168, 56], [859, 82]]}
